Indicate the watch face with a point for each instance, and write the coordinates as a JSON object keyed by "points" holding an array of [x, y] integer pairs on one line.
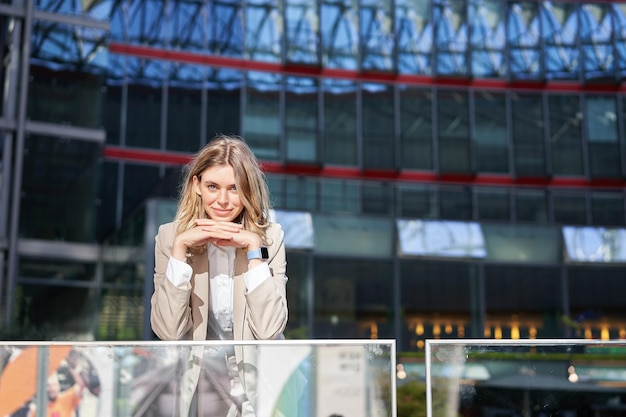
{"points": [[264, 253]]}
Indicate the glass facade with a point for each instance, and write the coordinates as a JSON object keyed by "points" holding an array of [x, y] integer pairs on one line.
{"points": [[400, 131]]}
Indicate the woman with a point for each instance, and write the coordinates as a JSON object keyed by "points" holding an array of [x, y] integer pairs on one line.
{"points": [[220, 266]]}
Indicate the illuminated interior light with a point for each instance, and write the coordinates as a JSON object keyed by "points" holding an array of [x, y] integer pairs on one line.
{"points": [[419, 329], [420, 344], [460, 330], [436, 330], [448, 328], [604, 333], [487, 332], [588, 333], [497, 333], [515, 332], [532, 332]]}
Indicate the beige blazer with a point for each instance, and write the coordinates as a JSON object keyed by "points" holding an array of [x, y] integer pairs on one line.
{"points": [[181, 314]]}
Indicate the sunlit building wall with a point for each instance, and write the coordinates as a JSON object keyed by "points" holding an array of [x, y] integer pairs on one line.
{"points": [[443, 169]]}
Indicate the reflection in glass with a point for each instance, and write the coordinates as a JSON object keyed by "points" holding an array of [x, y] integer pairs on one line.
{"points": [[414, 36], [261, 121], [226, 28], [522, 244], [99, 10], [362, 236], [263, 31], [453, 131], [565, 119], [340, 34], [302, 32], [528, 135], [596, 32], [148, 23], [450, 18], [487, 38], [379, 144], [145, 99], [523, 36], [440, 238], [301, 118], [297, 226], [595, 244], [416, 128], [189, 26], [376, 31], [560, 36], [601, 119], [619, 33]]}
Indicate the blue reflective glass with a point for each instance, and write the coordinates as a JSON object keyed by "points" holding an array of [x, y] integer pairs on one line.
{"points": [[414, 36], [189, 26], [559, 24], [523, 37], [226, 28], [451, 36], [619, 31], [302, 31], [340, 36], [100, 10], [377, 34], [263, 30], [145, 22], [596, 31], [487, 38]]}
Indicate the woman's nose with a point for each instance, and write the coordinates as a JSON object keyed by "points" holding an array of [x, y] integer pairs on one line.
{"points": [[222, 197]]}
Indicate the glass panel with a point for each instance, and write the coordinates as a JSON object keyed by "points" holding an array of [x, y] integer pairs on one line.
{"points": [[414, 36], [528, 135], [418, 201], [607, 209], [189, 29], [569, 208], [487, 38], [510, 378], [446, 288], [112, 111], [565, 119], [360, 236], [522, 302], [339, 122], [601, 123], [120, 315], [340, 34], [202, 379], [145, 101], [184, 108], [5, 177], [301, 118], [96, 10], [560, 36], [226, 28], [261, 122], [379, 148], [353, 300], [60, 175], [531, 206], [596, 32], [263, 30], [378, 198], [298, 228], [619, 32], [140, 182], [595, 244], [522, 244], [450, 19], [107, 200], [456, 203], [440, 238], [523, 36], [596, 303], [145, 22], [301, 193], [453, 131], [416, 128], [376, 31], [224, 102], [490, 132], [493, 204], [70, 97], [340, 196], [60, 46], [50, 314], [302, 31], [298, 295]]}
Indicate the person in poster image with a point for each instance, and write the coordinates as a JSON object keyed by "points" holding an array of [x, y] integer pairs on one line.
{"points": [[220, 266]]}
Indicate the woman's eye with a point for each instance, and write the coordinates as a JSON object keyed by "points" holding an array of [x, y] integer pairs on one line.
{"points": [[233, 188], [212, 187]]}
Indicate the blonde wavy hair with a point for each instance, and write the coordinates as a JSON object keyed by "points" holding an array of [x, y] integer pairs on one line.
{"points": [[249, 179]]}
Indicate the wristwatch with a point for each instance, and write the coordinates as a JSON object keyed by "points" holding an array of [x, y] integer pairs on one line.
{"points": [[260, 253]]}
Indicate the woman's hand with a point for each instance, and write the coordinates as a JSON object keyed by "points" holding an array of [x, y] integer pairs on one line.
{"points": [[206, 231]]}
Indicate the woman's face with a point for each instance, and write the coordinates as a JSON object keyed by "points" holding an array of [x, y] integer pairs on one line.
{"points": [[220, 199]]}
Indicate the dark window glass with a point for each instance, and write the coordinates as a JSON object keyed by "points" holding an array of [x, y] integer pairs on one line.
{"points": [[531, 206], [493, 204], [339, 122], [445, 287], [107, 200], [377, 198], [569, 208], [456, 203], [223, 102], [523, 302], [528, 135], [261, 122], [419, 202], [301, 118], [184, 108], [65, 96], [596, 302], [453, 132], [378, 126], [112, 113], [601, 123], [140, 183], [59, 188], [490, 134], [607, 209], [143, 115], [565, 134], [339, 196], [301, 193], [277, 193], [353, 299], [416, 128]]}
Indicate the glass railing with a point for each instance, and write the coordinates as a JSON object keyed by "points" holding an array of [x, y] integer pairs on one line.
{"points": [[530, 378], [215, 378]]}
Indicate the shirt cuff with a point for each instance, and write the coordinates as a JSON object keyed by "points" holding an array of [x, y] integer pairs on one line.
{"points": [[257, 275], [178, 273]]}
